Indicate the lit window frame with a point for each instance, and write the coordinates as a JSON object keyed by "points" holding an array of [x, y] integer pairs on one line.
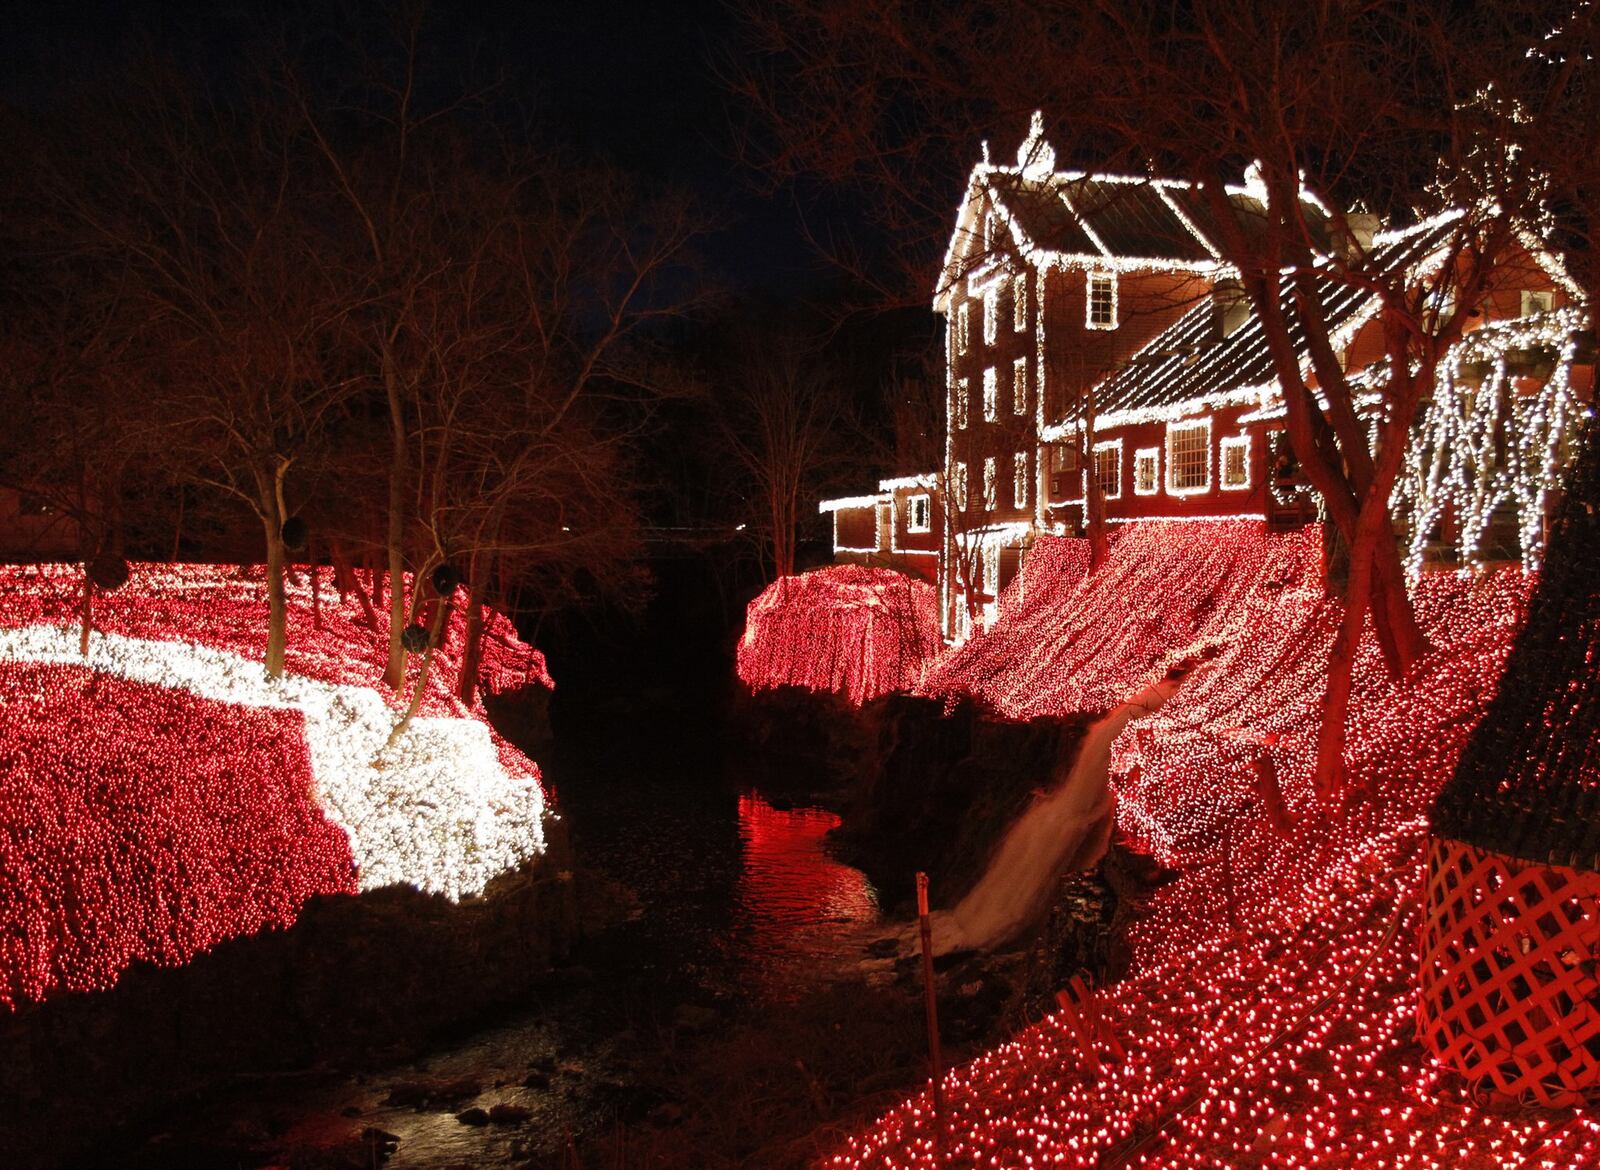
{"points": [[991, 394], [991, 485], [1105, 280], [1112, 445], [922, 503], [1174, 430], [963, 326], [1019, 387], [1019, 302], [1234, 443], [1535, 301], [991, 315], [958, 485], [1019, 479], [960, 395], [1151, 457]]}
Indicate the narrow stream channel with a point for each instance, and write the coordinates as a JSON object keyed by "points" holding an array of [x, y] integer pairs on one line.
{"points": [[736, 907]]}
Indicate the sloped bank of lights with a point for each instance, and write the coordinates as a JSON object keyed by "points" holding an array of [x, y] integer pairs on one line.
{"points": [[228, 797], [1269, 1022], [849, 629], [141, 822]]}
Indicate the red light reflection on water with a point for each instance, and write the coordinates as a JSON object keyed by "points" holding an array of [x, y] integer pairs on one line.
{"points": [[793, 898]]}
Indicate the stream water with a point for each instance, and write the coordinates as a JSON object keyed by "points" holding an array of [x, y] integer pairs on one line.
{"points": [[737, 906]]}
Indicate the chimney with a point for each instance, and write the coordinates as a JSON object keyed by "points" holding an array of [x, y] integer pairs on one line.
{"points": [[1230, 307]]}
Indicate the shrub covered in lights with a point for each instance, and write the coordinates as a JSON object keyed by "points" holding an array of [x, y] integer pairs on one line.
{"points": [[849, 629], [163, 794]]}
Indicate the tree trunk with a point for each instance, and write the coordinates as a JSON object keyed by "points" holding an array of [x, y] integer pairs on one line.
{"points": [[1392, 612], [440, 612], [472, 652], [316, 589], [87, 613], [395, 675], [1342, 658], [277, 606], [1094, 509]]}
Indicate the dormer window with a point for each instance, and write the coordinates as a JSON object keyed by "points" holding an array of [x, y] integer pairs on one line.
{"points": [[1537, 301], [1101, 301]]}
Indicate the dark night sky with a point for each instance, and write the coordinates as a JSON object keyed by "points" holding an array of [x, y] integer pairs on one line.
{"points": [[627, 79]]}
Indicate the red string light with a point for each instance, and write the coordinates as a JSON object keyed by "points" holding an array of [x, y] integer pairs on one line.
{"points": [[163, 794], [1270, 1018], [856, 631]]}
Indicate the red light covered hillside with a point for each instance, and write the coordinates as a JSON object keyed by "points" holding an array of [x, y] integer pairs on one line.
{"points": [[164, 794]]}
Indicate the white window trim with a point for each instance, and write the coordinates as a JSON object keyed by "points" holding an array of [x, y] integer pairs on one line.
{"points": [[927, 513], [991, 488], [991, 315], [1019, 387], [1173, 429], [1526, 307], [1233, 442], [991, 394], [1094, 467], [1088, 299], [1019, 302], [1019, 480], [1153, 454]]}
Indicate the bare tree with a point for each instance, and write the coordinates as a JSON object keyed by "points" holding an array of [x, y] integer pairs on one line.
{"points": [[781, 409], [196, 207]]}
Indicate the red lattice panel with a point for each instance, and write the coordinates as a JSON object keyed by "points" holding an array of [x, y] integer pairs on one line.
{"points": [[1509, 994]]}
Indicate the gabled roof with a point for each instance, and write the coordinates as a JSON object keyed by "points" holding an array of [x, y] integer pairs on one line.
{"points": [[1096, 220], [1189, 361]]}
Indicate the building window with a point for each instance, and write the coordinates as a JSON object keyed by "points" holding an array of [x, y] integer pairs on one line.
{"points": [[919, 514], [991, 394], [1019, 479], [1019, 386], [1235, 462], [1102, 301], [1019, 302], [1108, 468], [991, 491], [963, 326], [991, 314], [1537, 301], [1147, 471], [958, 485], [958, 404], [1189, 457]]}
